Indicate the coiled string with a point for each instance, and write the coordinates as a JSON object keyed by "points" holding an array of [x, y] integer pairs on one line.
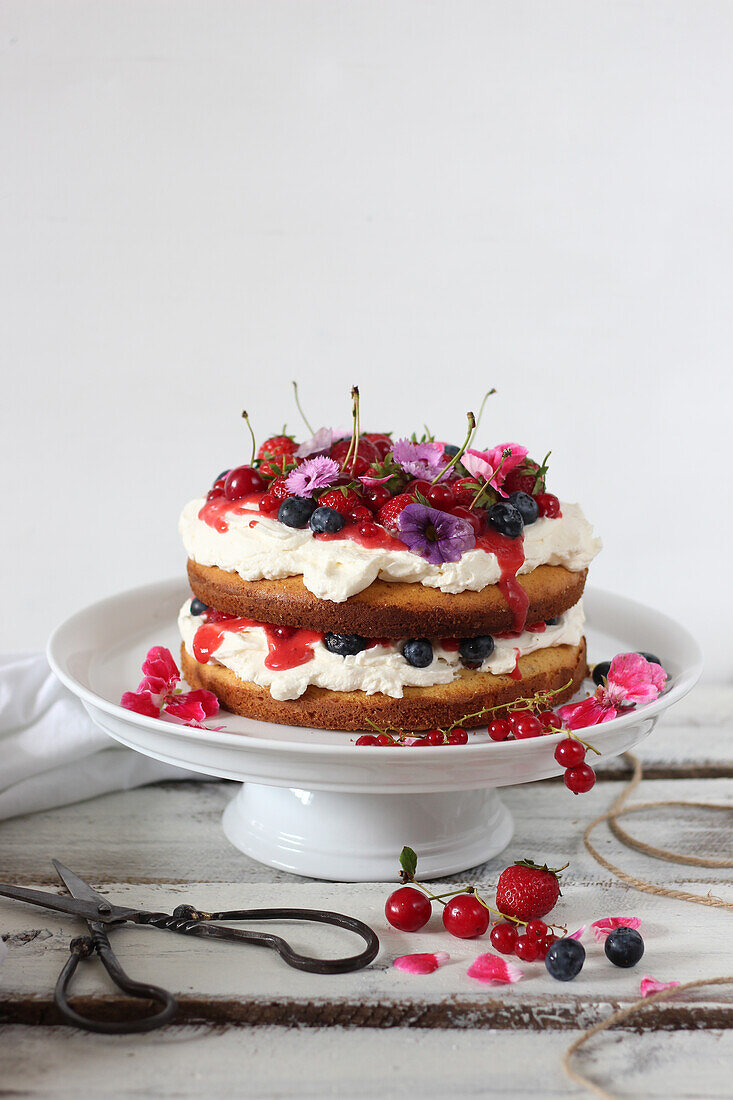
{"points": [[619, 810]]}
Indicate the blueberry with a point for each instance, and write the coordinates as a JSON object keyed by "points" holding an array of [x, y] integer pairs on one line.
{"points": [[506, 519], [296, 511], [624, 946], [326, 521], [198, 607], [418, 652], [526, 505], [564, 960], [475, 650], [600, 672], [552, 622], [451, 449], [650, 658], [344, 645]]}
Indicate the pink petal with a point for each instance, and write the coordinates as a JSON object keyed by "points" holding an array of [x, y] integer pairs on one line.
{"points": [[601, 928], [589, 712], [159, 663], [141, 702], [578, 933], [155, 685], [492, 968], [421, 964], [207, 699], [182, 707], [649, 985], [634, 680], [477, 464], [370, 482]]}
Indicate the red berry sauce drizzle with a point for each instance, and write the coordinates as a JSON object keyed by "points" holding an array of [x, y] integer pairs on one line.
{"points": [[288, 646], [510, 555]]}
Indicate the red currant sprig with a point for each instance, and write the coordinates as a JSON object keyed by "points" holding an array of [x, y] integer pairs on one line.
{"points": [[570, 754]]}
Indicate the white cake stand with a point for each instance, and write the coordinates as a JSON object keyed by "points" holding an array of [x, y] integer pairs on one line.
{"points": [[311, 802]]}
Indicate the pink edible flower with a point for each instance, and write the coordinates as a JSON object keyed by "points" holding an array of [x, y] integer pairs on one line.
{"points": [[578, 933], [314, 473], [649, 986], [422, 460], [631, 680], [421, 964], [494, 465], [602, 927], [158, 695], [369, 482], [321, 442], [493, 969]]}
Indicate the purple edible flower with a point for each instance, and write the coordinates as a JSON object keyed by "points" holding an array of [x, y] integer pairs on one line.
{"points": [[436, 536], [314, 473], [419, 459]]}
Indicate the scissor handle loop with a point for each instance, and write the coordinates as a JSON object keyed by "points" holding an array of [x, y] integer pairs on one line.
{"points": [[83, 947]]}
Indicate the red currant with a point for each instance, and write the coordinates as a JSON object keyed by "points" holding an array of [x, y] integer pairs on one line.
{"points": [[504, 937], [216, 491], [465, 917], [570, 753], [550, 720], [536, 929], [526, 949], [241, 482], [408, 909], [544, 944], [435, 737], [457, 736], [419, 743], [269, 504], [580, 780], [359, 513], [385, 739], [377, 496], [441, 496], [367, 739], [368, 530], [499, 729], [515, 717], [283, 632], [548, 505], [527, 726]]}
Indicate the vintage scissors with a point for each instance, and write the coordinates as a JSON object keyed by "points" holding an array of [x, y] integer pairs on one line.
{"points": [[100, 914]]}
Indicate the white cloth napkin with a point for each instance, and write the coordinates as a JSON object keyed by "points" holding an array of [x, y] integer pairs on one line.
{"points": [[51, 753]]}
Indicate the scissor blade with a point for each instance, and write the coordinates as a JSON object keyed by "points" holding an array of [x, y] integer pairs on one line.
{"points": [[76, 886], [76, 906]]}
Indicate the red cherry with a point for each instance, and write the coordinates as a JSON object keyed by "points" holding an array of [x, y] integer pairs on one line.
{"points": [[367, 739], [408, 909], [361, 458], [241, 482], [536, 929], [526, 949], [580, 780], [504, 937], [550, 720], [476, 519], [435, 737], [465, 917], [377, 496], [381, 441], [441, 496], [499, 729], [417, 485], [548, 505], [570, 753], [527, 726]]}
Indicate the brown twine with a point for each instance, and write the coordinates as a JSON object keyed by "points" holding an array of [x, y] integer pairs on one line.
{"points": [[618, 810]]}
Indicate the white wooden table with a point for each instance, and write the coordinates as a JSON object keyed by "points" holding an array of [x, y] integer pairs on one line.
{"points": [[250, 1026]]}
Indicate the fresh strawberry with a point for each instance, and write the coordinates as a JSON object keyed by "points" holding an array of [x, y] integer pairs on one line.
{"points": [[343, 500], [278, 490], [527, 891], [465, 489], [278, 453], [389, 513]]}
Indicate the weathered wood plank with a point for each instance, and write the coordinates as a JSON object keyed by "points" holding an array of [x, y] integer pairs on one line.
{"points": [[273, 1063]]}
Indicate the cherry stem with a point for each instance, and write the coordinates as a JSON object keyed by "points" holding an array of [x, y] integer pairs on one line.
{"points": [[480, 900], [300, 410], [254, 445], [487, 483], [457, 457], [481, 413], [354, 444]]}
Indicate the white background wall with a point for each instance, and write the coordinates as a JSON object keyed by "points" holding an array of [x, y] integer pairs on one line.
{"points": [[201, 201]]}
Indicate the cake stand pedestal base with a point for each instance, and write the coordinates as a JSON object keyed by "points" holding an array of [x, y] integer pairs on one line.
{"points": [[348, 837]]}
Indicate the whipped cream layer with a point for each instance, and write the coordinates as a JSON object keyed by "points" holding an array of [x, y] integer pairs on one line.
{"points": [[259, 548], [379, 669]]}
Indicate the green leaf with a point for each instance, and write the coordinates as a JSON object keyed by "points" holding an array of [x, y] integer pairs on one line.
{"points": [[408, 861]]}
